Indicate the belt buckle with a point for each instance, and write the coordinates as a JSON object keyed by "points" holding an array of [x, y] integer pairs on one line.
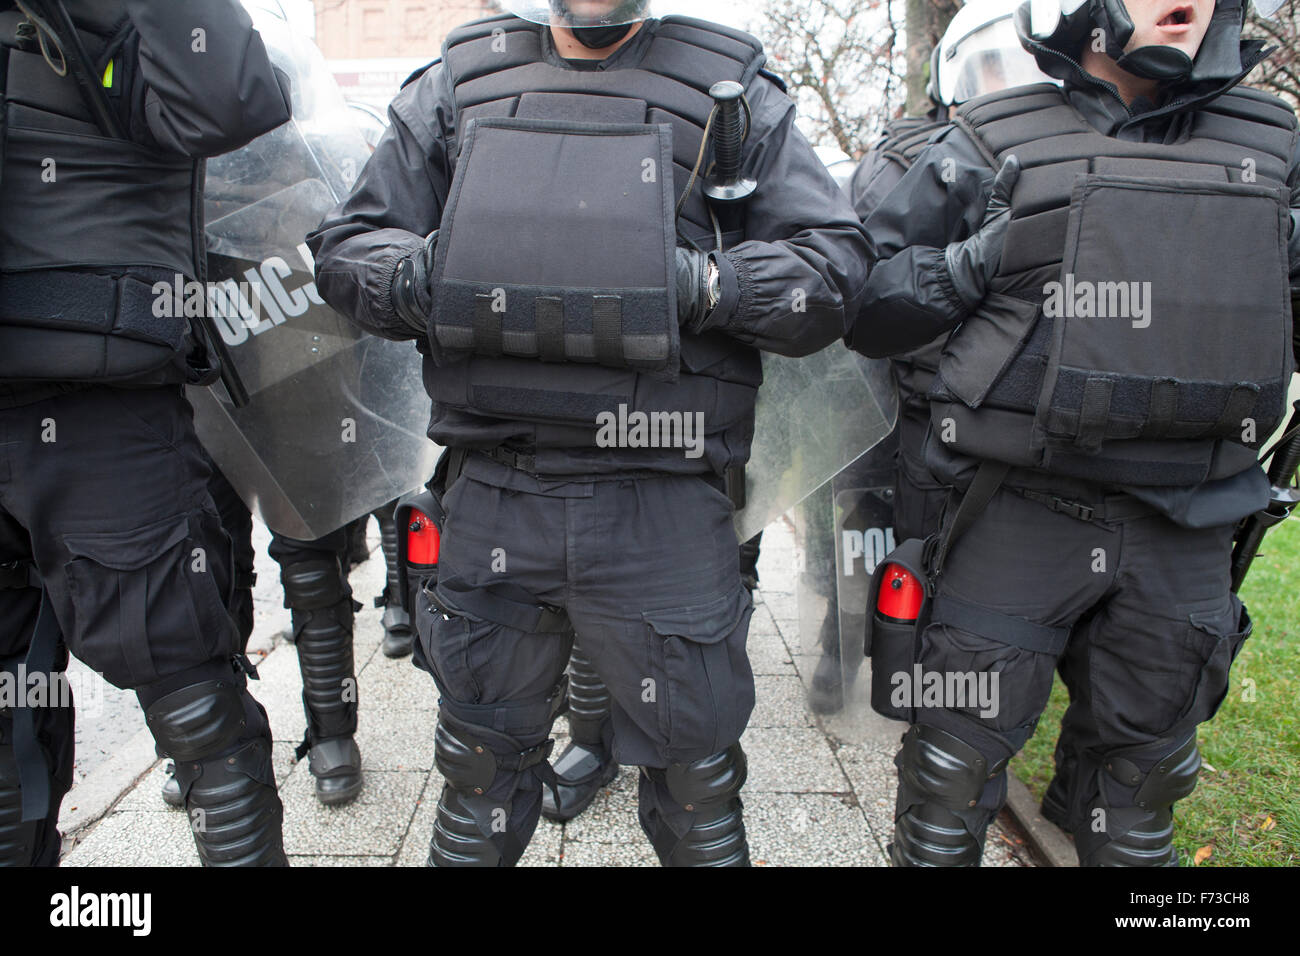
{"points": [[1073, 509]]}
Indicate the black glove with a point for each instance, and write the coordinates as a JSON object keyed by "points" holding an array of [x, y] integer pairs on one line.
{"points": [[973, 262], [692, 288], [410, 296]]}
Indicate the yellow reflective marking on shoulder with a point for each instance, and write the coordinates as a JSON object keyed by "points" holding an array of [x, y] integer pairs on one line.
{"points": [[108, 76]]}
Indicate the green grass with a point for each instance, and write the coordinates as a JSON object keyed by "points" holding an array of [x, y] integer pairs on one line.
{"points": [[1247, 808]]}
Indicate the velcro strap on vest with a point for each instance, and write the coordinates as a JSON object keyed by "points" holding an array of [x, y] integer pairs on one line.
{"points": [[84, 302], [487, 331], [549, 318], [1015, 631]]}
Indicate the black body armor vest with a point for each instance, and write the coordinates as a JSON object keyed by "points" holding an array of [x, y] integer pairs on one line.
{"points": [[566, 345], [1139, 330], [91, 223]]}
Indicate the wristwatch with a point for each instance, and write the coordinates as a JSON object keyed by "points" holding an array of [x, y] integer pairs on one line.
{"points": [[714, 285]]}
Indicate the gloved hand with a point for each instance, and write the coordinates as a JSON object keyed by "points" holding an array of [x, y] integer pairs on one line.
{"points": [[692, 288], [410, 295], [973, 262]]}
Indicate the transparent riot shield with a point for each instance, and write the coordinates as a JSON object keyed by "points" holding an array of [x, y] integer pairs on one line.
{"points": [[842, 531], [335, 422], [863, 534], [815, 415]]}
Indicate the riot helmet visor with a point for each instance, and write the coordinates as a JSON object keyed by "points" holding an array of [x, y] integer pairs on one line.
{"points": [[988, 59], [580, 13]]}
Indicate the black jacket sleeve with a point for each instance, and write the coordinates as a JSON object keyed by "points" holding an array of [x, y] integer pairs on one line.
{"points": [[793, 284], [909, 299], [205, 84], [396, 202]]}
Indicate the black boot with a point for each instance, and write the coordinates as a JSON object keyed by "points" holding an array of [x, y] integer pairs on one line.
{"points": [[322, 607], [397, 622], [587, 763]]}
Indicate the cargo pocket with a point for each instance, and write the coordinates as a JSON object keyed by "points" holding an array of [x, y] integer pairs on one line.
{"points": [[442, 641], [147, 602], [1216, 651], [707, 686]]}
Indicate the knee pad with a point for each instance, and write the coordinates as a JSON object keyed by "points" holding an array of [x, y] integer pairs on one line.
{"points": [[693, 813], [312, 587], [939, 820], [222, 754], [1131, 821], [492, 799], [944, 768]]}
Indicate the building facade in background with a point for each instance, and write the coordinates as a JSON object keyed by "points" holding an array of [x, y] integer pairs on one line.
{"points": [[373, 45]]}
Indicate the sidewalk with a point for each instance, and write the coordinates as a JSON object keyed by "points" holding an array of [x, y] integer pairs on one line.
{"points": [[820, 790]]}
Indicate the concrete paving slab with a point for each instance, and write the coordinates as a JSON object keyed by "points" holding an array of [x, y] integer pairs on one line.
{"points": [[791, 760], [780, 702], [134, 838], [302, 860], [374, 823], [388, 684], [392, 739], [808, 829]]}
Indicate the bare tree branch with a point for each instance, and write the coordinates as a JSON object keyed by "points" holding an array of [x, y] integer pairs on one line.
{"points": [[845, 62]]}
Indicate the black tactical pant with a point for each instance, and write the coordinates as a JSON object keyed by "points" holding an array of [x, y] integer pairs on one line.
{"points": [[237, 520], [104, 492], [1137, 612], [645, 572]]}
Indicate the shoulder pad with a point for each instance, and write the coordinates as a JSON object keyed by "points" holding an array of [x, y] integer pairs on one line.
{"points": [[709, 26], [1248, 102], [478, 28], [420, 72], [1027, 92]]}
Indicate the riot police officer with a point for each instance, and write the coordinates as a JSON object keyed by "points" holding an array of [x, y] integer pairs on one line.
{"points": [[979, 53], [561, 303], [107, 531], [1116, 252]]}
